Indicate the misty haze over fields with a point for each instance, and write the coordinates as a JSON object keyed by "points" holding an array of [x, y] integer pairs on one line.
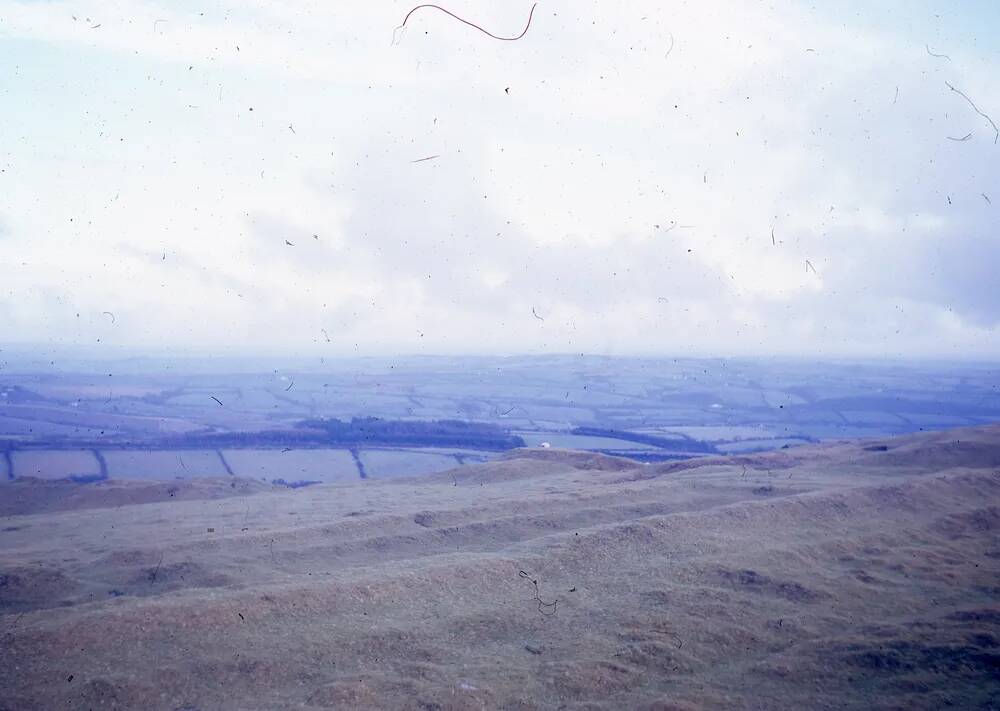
{"points": [[147, 418]]}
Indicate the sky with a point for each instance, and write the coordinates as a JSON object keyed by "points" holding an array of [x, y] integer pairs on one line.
{"points": [[714, 177]]}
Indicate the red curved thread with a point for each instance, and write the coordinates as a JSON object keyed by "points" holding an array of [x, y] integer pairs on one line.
{"points": [[473, 24]]}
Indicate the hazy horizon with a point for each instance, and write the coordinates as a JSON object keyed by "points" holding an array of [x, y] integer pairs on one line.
{"points": [[34, 357]]}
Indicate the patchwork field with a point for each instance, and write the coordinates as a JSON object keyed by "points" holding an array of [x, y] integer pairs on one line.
{"points": [[298, 465]]}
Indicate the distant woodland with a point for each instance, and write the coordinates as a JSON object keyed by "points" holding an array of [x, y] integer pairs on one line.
{"points": [[358, 432]]}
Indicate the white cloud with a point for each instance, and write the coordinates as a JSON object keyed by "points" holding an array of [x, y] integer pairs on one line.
{"points": [[625, 193]]}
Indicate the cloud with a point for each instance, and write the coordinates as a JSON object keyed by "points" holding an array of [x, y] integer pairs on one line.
{"points": [[619, 172]]}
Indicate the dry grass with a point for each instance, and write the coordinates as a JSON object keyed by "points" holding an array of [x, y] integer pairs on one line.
{"points": [[826, 577]]}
